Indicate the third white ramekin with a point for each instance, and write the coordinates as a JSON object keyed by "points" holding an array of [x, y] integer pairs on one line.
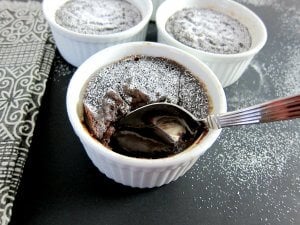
{"points": [[156, 4], [227, 67]]}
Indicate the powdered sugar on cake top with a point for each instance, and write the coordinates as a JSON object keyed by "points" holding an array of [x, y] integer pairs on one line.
{"points": [[135, 81], [209, 30], [98, 17]]}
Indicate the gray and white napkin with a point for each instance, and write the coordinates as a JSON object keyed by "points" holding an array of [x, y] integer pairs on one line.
{"points": [[26, 54]]}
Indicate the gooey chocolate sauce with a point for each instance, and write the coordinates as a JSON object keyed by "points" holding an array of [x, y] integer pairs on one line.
{"points": [[156, 134]]}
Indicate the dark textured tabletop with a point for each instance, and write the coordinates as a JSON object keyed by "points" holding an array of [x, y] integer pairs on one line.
{"points": [[251, 175]]}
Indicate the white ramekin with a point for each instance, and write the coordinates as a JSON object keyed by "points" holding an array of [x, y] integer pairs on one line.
{"points": [[138, 172], [227, 67], [156, 4], [76, 47]]}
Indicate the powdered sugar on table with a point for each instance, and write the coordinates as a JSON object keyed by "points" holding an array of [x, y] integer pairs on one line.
{"points": [[258, 166]]}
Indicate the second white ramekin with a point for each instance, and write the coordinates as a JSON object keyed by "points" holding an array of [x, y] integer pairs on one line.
{"points": [[76, 47]]}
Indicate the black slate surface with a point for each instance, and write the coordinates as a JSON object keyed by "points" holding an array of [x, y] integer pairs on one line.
{"points": [[250, 176]]}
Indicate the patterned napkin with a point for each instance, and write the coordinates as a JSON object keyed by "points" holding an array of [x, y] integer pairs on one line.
{"points": [[26, 54]]}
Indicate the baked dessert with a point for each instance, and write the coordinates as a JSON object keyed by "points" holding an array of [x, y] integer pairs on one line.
{"points": [[132, 82], [98, 17], [209, 30]]}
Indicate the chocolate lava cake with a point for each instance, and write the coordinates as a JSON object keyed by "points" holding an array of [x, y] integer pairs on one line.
{"points": [[98, 17], [209, 30], [118, 88]]}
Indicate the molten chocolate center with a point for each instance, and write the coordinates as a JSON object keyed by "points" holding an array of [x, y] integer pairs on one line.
{"points": [[155, 135]]}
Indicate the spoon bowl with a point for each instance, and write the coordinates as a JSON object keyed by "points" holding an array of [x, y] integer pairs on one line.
{"points": [[157, 130]]}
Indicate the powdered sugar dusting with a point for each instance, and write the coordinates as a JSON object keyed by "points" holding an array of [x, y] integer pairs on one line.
{"points": [[209, 30], [135, 81], [258, 166], [97, 17], [259, 2], [61, 69], [161, 79]]}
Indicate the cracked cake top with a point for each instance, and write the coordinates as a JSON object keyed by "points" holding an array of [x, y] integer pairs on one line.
{"points": [[127, 84]]}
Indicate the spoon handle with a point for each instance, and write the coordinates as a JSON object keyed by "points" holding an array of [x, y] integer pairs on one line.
{"points": [[278, 109]]}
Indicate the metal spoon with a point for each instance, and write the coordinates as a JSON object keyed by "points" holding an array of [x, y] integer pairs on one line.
{"points": [[278, 109], [171, 124]]}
